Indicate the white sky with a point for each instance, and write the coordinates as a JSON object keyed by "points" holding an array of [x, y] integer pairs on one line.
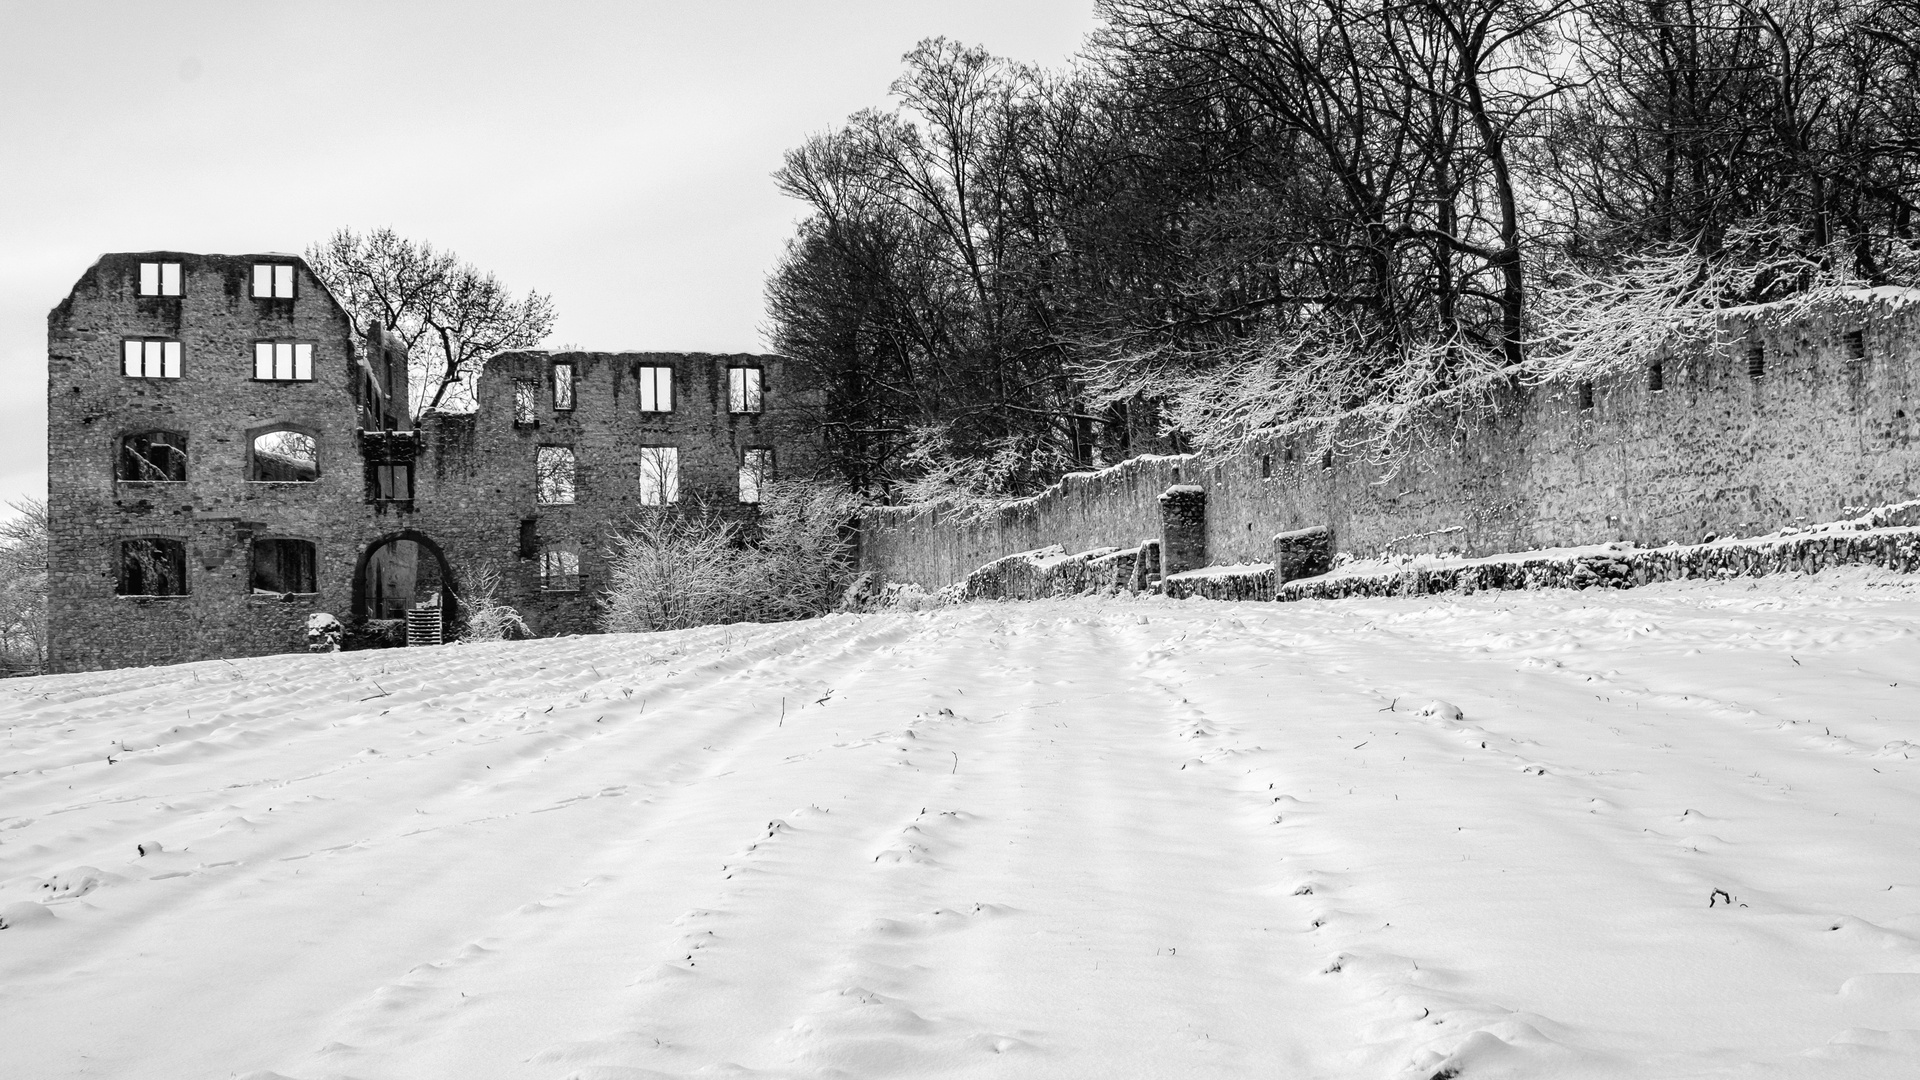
{"points": [[614, 155]]}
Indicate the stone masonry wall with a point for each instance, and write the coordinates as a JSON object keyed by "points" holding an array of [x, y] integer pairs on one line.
{"points": [[474, 483], [1826, 430]]}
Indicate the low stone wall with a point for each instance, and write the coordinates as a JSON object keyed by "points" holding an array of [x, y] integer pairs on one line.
{"points": [[1818, 430]]}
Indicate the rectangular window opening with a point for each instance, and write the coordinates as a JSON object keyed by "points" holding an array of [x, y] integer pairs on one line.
{"points": [[756, 471], [553, 475], [1585, 393], [656, 389], [659, 475], [1856, 345], [563, 387], [283, 361], [151, 358], [1266, 466], [743, 390], [1656, 377], [523, 403], [283, 566], [560, 568], [159, 279], [392, 481], [1756, 361], [272, 281], [152, 567]]}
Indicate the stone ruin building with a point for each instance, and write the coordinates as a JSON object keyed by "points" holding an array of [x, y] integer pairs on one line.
{"points": [[228, 455]]}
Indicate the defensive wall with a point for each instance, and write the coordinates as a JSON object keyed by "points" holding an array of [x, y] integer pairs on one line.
{"points": [[1785, 414]]}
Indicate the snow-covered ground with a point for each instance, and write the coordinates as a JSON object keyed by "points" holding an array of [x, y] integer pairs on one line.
{"points": [[1675, 834]]}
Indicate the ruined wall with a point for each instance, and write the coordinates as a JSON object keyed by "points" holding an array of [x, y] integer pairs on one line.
{"points": [[473, 476], [216, 511], [1825, 431], [476, 477]]}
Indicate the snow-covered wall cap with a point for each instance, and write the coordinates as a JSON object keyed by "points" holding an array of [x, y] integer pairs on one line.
{"points": [[1183, 489]]}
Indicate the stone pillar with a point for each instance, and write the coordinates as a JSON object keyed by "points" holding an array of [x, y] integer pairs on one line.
{"points": [[1183, 529], [1302, 553]]}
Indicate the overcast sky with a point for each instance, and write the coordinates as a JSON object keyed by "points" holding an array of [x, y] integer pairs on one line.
{"points": [[615, 155]]}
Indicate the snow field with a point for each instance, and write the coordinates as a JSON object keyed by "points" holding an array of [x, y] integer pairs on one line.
{"points": [[1658, 833]]}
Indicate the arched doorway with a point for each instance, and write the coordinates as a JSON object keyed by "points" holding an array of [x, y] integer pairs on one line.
{"points": [[403, 571]]}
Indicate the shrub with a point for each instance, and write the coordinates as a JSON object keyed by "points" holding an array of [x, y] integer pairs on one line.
{"points": [[487, 618], [673, 567]]}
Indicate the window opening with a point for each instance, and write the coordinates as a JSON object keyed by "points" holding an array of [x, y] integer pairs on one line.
{"points": [[283, 566], [529, 537], [1584, 391], [285, 456], [1756, 361], [153, 567], [743, 390], [151, 358], [659, 475], [272, 281], [159, 279], [1326, 459], [1266, 466], [553, 475], [656, 389], [1856, 345], [1656, 377], [393, 481], [756, 471], [560, 567], [523, 402], [283, 361], [153, 457], [563, 387]]}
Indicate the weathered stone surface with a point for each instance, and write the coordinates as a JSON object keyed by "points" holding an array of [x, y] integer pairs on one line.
{"points": [[473, 474], [1302, 553], [1822, 437], [1183, 528]]}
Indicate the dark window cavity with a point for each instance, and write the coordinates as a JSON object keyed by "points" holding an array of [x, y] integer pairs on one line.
{"points": [[283, 566], [392, 481], [1656, 377], [1584, 391], [1856, 345], [285, 456], [1756, 361], [153, 567], [153, 457]]}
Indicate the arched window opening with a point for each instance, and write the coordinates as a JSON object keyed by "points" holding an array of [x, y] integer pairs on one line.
{"points": [[284, 566], [153, 457], [285, 456], [151, 566]]}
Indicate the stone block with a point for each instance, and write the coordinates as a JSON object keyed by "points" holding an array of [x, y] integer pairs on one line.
{"points": [[1302, 553]]}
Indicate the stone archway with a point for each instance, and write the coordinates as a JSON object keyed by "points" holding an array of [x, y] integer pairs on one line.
{"points": [[401, 571]]}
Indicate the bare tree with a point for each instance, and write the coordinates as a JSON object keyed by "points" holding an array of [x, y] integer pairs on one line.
{"points": [[23, 588], [450, 314]]}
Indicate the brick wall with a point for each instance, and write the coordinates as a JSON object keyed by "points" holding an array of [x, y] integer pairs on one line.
{"points": [[1819, 435]]}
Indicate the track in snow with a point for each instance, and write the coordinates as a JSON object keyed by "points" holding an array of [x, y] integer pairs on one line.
{"points": [[1040, 840]]}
